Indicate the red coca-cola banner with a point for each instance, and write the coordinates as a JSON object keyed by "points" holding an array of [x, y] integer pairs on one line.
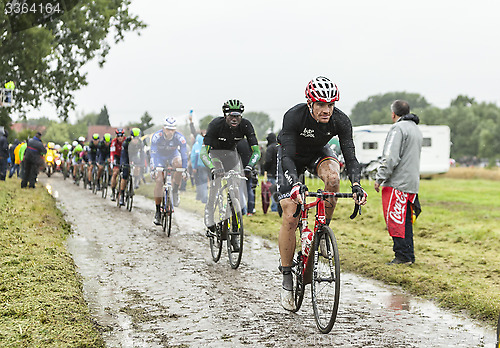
{"points": [[394, 203]]}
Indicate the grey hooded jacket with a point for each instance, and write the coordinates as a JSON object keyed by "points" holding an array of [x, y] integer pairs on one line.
{"points": [[400, 167]]}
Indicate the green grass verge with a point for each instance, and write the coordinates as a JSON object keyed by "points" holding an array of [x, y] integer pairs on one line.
{"points": [[41, 297], [457, 240]]}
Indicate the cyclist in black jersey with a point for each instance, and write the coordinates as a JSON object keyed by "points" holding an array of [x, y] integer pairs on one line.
{"points": [[92, 153], [129, 149], [102, 156], [303, 144], [223, 133]]}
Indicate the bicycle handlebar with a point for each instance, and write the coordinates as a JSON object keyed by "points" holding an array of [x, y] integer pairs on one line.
{"points": [[231, 173], [322, 194], [162, 169]]}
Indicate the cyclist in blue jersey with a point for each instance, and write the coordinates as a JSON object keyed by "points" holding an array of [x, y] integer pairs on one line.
{"points": [[168, 148]]}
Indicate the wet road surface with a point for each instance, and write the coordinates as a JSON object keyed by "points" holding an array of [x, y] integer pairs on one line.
{"points": [[148, 290]]}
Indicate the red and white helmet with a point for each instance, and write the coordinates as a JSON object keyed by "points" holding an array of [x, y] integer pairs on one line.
{"points": [[322, 89]]}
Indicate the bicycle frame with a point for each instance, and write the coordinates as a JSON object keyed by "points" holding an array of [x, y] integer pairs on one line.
{"points": [[320, 220]]}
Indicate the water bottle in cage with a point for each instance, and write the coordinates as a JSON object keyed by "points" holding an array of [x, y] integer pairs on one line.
{"points": [[306, 238]]}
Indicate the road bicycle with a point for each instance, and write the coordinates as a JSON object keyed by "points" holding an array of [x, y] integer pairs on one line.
{"points": [[167, 201], [85, 176], [227, 210], [128, 192], [94, 178], [321, 267], [104, 180]]}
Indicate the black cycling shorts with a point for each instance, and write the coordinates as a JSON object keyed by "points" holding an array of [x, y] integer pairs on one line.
{"points": [[310, 163]]}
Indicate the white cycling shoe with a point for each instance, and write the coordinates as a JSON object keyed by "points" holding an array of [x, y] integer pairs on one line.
{"points": [[287, 301]]}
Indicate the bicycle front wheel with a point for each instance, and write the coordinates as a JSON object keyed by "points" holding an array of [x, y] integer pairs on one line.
{"points": [[235, 233], [298, 281], [104, 183], [166, 221], [498, 333], [325, 285]]}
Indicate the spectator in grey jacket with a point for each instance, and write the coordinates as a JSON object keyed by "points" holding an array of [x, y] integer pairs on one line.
{"points": [[399, 176]]}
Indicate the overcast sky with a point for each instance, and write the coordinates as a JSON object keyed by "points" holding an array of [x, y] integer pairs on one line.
{"points": [[197, 54]]}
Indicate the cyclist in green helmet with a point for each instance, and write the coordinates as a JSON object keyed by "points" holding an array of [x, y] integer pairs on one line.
{"points": [[92, 154], [223, 133], [132, 153], [102, 156]]}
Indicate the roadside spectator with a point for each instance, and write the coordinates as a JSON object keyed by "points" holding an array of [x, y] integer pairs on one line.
{"points": [[4, 152], [200, 172], [33, 160], [399, 176], [22, 149], [14, 160], [270, 166]]}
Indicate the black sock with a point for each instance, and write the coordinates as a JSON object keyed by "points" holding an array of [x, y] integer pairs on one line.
{"points": [[157, 208], [328, 222], [287, 278]]}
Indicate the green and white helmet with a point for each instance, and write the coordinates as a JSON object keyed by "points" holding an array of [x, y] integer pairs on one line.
{"points": [[233, 105]]}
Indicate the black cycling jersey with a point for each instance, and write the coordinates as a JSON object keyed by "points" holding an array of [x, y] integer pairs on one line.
{"points": [[132, 152], [220, 136], [103, 151], [92, 151], [302, 138]]}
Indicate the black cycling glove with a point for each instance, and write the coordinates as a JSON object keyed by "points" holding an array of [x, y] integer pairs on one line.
{"points": [[358, 190], [216, 173]]}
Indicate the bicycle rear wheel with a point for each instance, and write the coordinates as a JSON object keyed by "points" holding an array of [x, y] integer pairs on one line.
{"points": [[325, 286], [130, 194], [235, 233]]}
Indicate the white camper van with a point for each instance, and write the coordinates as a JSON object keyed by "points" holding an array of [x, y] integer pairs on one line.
{"points": [[435, 156]]}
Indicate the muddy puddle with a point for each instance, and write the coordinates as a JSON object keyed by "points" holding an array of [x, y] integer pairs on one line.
{"points": [[148, 290]]}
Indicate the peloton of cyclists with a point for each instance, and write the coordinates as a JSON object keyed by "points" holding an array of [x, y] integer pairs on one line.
{"points": [[115, 150], [307, 128], [168, 148], [129, 147], [223, 133]]}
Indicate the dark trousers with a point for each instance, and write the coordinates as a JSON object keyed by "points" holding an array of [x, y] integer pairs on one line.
{"points": [[3, 168], [403, 247], [30, 172], [14, 169], [201, 180]]}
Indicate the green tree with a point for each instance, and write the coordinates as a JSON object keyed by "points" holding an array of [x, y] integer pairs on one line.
{"points": [[59, 133], [103, 118], [463, 100], [261, 122], [89, 119], [146, 121], [46, 61], [205, 121], [376, 109]]}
